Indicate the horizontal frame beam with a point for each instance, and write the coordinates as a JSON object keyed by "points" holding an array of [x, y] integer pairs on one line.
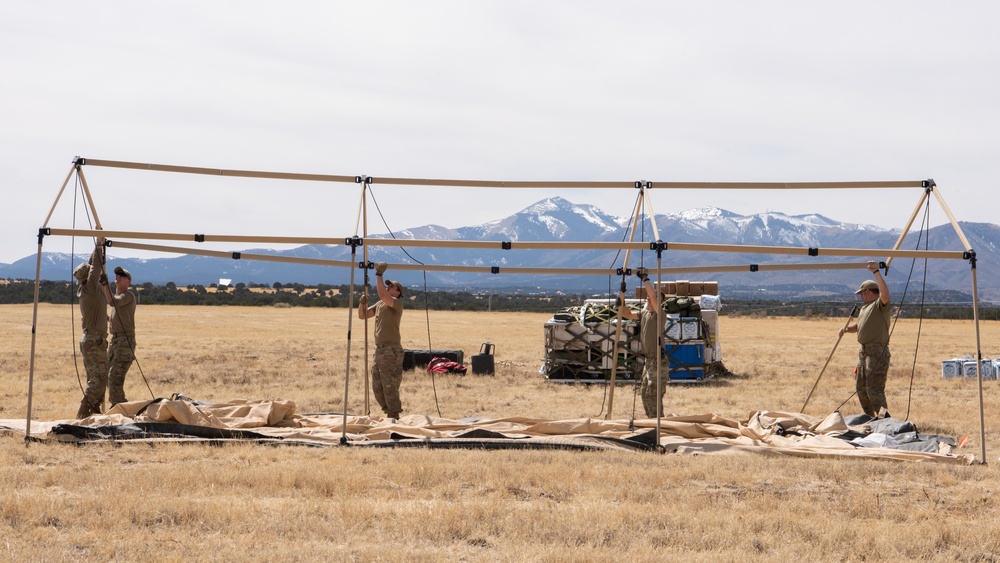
{"points": [[631, 184], [488, 269], [517, 245]]}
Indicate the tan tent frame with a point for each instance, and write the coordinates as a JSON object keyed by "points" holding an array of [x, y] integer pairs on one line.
{"points": [[927, 187]]}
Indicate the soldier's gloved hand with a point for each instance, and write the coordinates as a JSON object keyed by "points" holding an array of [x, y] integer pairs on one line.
{"points": [[641, 274], [103, 279], [380, 268], [363, 301]]}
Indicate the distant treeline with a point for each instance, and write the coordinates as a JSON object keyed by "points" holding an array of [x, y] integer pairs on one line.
{"points": [[299, 295]]}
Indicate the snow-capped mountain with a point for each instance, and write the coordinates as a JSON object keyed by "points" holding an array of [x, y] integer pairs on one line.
{"points": [[557, 219]]}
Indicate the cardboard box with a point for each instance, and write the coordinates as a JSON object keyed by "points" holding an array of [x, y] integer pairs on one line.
{"points": [[710, 288], [681, 288]]}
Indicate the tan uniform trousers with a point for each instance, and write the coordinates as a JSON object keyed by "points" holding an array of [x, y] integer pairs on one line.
{"points": [[387, 376]]}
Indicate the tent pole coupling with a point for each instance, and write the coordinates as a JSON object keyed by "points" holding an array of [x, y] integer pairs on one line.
{"points": [[367, 180], [354, 242], [643, 184], [659, 246], [970, 255], [79, 161], [42, 233], [929, 184], [624, 272]]}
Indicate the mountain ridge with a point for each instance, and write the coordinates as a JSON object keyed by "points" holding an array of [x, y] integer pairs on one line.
{"points": [[556, 219]]}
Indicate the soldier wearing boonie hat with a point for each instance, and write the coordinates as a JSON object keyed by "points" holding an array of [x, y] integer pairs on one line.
{"points": [[387, 361], [121, 350], [94, 341], [872, 327]]}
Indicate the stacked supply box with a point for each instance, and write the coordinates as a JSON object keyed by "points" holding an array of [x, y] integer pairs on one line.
{"points": [[951, 368]]}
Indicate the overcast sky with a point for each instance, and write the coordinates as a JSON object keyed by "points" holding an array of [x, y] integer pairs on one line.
{"points": [[785, 91]]}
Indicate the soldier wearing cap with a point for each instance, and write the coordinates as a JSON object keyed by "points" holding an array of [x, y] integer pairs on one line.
{"points": [[872, 327], [387, 362], [121, 350], [94, 342]]}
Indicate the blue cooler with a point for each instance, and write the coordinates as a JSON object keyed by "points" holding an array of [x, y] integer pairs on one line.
{"points": [[686, 361]]}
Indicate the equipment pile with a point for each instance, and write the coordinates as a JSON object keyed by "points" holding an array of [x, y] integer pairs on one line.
{"points": [[579, 340]]}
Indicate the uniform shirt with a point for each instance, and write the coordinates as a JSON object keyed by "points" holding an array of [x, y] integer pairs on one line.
{"points": [[123, 314], [387, 322], [93, 305], [873, 323], [648, 333]]}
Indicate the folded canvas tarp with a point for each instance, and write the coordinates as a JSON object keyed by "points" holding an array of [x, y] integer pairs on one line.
{"points": [[276, 421]]}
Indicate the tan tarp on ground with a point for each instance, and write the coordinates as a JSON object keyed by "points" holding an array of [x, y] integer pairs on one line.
{"points": [[768, 432]]}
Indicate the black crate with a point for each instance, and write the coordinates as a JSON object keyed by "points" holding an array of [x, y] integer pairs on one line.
{"points": [[413, 359]]}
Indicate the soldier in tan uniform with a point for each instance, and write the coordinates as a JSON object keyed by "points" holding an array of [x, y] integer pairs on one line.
{"points": [[121, 350], [94, 342], [387, 362], [649, 319], [872, 327]]}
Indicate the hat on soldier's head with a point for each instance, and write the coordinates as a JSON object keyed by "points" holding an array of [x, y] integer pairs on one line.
{"points": [[868, 284], [395, 284], [81, 272], [119, 271]]}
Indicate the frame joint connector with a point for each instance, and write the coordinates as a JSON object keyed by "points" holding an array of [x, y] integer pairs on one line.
{"points": [[199, 238], [79, 161], [505, 245], [813, 252], [494, 269], [236, 255], [354, 242], [643, 184], [366, 180], [754, 267]]}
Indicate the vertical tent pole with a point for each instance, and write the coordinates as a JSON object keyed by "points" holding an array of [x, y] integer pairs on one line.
{"points": [[621, 297], [34, 311], [364, 218], [659, 339], [979, 358], [350, 318], [34, 324], [350, 321]]}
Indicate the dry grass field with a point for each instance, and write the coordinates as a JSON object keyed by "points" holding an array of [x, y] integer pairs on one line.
{"points": [[173, 502]]}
